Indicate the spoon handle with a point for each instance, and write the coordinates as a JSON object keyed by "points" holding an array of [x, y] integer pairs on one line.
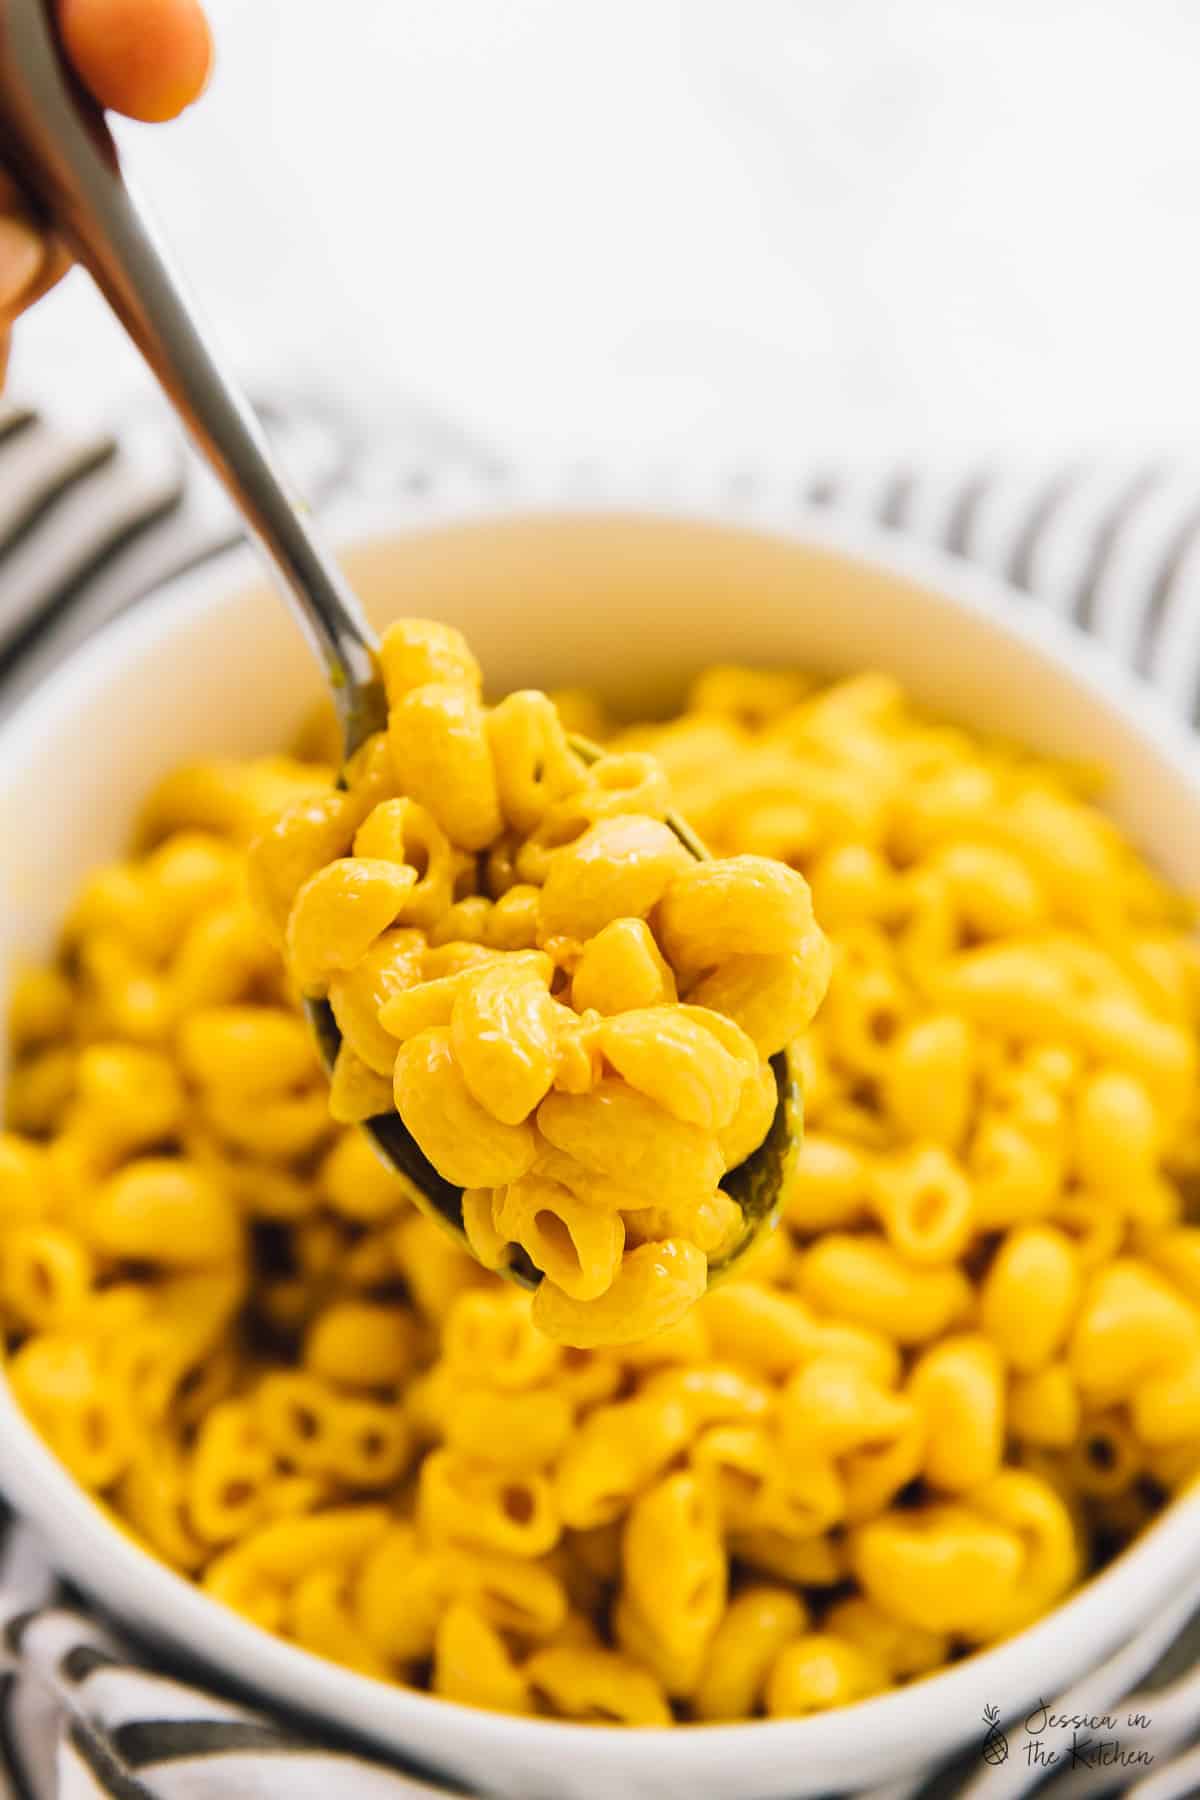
{"points": [[55, 142]]}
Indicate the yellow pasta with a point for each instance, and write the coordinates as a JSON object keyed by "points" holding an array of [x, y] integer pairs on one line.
{"points": [[597, 1687], [958, 1385], [483, 828], [578, 1246], [969, 1352], [818, 1671], [755, 1628], [473, 1664], [621, 968], [674, 1576], [1033, 1260]]}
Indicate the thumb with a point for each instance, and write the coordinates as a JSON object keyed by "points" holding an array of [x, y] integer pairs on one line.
{"points": [[148, 59]]}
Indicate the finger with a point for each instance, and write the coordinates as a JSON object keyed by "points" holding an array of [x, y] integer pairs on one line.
{"points": [[56, 260], [22, 255], [17, 295], [148, 59], [31, 259]]}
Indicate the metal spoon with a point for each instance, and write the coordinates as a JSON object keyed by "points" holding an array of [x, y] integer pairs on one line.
{"points": [[54, 140]]}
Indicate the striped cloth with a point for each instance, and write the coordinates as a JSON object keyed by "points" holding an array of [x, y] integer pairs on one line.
{"points": [[88, 524]]}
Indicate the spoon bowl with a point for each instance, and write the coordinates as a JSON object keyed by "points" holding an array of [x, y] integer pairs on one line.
{"points": [[756, 1184]]}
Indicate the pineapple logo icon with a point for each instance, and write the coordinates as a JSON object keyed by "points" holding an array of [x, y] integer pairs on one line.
{"points": [[995, 1744]]}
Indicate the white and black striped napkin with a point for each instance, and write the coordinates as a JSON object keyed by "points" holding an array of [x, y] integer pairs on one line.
{"points": [[88, 524]]}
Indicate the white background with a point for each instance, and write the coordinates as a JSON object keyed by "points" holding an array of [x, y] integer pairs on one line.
{"points": [[739, 226]]}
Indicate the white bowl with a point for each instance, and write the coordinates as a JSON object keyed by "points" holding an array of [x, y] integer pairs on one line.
{"points": [[630, 600]]}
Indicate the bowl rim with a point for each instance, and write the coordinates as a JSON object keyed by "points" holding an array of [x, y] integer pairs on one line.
{"points": [[905, 1719]]}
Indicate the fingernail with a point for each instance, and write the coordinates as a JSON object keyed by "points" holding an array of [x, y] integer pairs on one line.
{"points": [[22, 253]]}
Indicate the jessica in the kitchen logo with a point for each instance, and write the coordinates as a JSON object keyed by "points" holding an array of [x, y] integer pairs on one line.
{"points": [[1046, 1739]]}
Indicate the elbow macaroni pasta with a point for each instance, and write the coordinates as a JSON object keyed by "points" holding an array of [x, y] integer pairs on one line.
{"points": [[961, 1372], [582, 1073]]}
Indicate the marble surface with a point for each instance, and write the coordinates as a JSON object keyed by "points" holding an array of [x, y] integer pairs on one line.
{"points": [[658, 227]]}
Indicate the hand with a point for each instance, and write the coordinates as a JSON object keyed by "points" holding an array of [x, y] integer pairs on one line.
{"points": [[148, 59]]}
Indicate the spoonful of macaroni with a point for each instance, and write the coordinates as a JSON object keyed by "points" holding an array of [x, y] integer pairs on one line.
{"points": [[559, 1018]]}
